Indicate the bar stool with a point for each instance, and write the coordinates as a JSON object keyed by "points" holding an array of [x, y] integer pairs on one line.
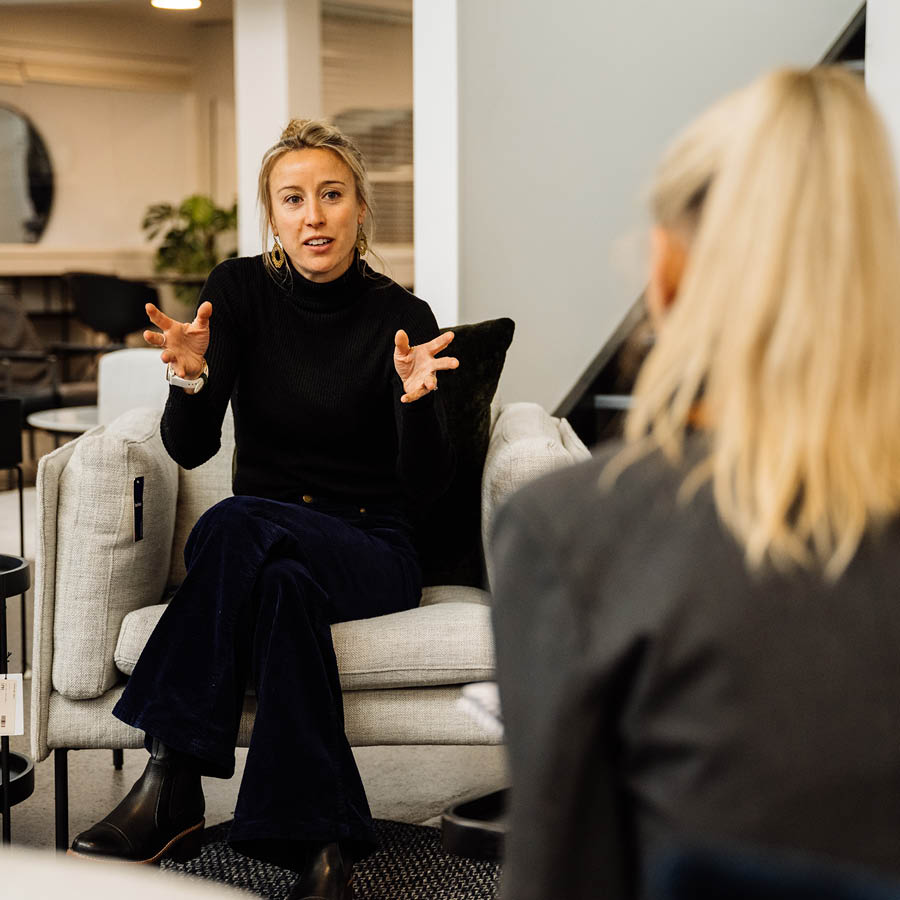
{"points": [[16, 769]]}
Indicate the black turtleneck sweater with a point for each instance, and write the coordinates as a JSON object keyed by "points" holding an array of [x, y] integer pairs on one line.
{"points": [[309, 370]]}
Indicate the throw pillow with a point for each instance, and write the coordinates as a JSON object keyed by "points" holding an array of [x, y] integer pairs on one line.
{"points": [[102, 572], [449, 541]]}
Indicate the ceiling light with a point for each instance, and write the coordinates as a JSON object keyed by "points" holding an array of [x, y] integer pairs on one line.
{"points": [[176, 4]]}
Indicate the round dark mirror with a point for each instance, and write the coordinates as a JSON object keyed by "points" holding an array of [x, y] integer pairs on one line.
{"points": [[26, 180]]}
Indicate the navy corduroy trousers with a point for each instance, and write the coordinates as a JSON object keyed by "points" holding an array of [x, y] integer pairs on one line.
{"points": [[265, 580]]}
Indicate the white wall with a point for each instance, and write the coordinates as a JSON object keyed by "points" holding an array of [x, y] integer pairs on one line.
{"points": [[121, 132], [563, 109], [436, 156], [883, 64], [113, 154]]}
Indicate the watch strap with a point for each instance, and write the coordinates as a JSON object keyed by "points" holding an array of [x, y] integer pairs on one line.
{"points": [[191, 384]]}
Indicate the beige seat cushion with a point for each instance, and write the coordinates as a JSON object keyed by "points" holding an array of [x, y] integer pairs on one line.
{"points": [[446, 640]]}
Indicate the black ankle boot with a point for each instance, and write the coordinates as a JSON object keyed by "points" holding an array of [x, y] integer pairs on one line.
{"points": [[161, 816], [328, 876]]}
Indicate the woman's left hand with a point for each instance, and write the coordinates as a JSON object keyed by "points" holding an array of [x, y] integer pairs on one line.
{"points": [[417, 366]]}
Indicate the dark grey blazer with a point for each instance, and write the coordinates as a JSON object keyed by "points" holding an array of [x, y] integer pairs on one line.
{"points": [[654, 690]]}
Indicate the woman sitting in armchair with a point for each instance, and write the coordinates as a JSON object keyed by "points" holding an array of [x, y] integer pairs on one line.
{"points": [[331, 370]]}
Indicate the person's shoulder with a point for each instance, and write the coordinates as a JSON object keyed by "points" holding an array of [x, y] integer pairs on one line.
{"points": [[231, 287], [398, 307], [385, 290]]}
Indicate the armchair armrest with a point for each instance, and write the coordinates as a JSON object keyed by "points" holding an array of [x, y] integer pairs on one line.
{"points": [[526, 442], [92, 568]]}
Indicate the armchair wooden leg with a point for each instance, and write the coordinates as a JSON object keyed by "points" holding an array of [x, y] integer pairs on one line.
{"points": [[118, 759], [61, 777]]}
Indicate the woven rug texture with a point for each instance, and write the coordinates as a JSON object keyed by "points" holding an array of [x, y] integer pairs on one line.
{"points": [[409, 865]]}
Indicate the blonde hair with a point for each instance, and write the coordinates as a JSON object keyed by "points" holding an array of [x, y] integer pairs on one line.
{"points": [[787, 319], [304, 134]]}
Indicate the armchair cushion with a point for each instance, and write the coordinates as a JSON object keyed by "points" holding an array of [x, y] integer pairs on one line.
{"points": [[526, 442], [198, 490], [102, 572], [445, 641], [449, 544]]}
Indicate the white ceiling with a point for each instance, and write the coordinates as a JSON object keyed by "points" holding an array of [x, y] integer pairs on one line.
{"points": [[211, 11]]}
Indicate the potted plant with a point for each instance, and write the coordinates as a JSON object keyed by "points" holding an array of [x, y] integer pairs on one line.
{"points": [[200, 234]]}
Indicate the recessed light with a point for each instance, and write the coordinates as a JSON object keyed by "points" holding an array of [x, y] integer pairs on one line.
{"points": [[176, 4]]}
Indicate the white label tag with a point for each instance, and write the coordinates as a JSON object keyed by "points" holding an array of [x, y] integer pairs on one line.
{"points": [[12, 707]]}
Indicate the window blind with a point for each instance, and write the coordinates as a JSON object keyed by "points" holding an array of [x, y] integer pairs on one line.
{"points": [[367, 93]]}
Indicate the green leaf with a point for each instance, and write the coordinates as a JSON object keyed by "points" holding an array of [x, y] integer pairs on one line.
{"points": [[191, 245]]}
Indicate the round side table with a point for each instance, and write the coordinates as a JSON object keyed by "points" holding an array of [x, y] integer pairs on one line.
{"points": [[66, 422], [16, 769]]}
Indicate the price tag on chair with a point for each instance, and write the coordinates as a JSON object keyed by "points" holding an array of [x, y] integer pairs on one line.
{"points": [[12, 705]]}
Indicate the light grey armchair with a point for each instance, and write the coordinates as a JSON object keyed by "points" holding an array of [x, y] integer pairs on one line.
{"points": [[99, 592]]}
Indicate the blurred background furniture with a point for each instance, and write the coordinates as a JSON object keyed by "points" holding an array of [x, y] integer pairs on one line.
{"points": [[99, 592], [111, 305], [29, 368], [11, 460], [16, 769], [126, 379], [38, 372], [66, 421]]}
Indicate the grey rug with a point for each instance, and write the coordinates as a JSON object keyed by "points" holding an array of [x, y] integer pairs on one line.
{"points": [[409, 865]]}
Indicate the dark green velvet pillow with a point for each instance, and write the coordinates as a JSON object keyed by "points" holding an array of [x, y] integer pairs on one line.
{"points": [[449, 532]]}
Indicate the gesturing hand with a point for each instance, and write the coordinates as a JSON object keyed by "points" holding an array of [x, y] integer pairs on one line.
{"points": [[417, 366], [184, 345]]}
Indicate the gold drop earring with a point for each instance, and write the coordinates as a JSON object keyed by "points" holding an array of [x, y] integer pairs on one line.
{"points": [[277, 254], [362, 245]]}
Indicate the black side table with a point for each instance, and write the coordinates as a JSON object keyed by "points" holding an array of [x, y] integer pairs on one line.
{"points": [[17, 770], [477, 828]]}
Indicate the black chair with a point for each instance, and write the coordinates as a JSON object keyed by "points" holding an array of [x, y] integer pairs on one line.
{"points": [[110, 305], [30, 368]]}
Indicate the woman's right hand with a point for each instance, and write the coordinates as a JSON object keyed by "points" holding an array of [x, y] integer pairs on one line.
{"points": [[184, 345]]}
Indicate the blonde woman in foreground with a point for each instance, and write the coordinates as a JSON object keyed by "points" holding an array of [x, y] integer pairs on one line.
{"points": [[698, 632]]}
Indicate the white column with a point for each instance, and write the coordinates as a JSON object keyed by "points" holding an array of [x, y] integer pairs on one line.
{"points": [[277, 76], [436, 156], [883, 64]]}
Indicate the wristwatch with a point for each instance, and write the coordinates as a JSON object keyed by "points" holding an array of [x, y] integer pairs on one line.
{"points": [[191, 384]]}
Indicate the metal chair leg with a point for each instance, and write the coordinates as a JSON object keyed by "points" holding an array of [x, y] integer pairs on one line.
{"points": [[22, 604], [61, 778], [7, 803], [118, 759]]}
